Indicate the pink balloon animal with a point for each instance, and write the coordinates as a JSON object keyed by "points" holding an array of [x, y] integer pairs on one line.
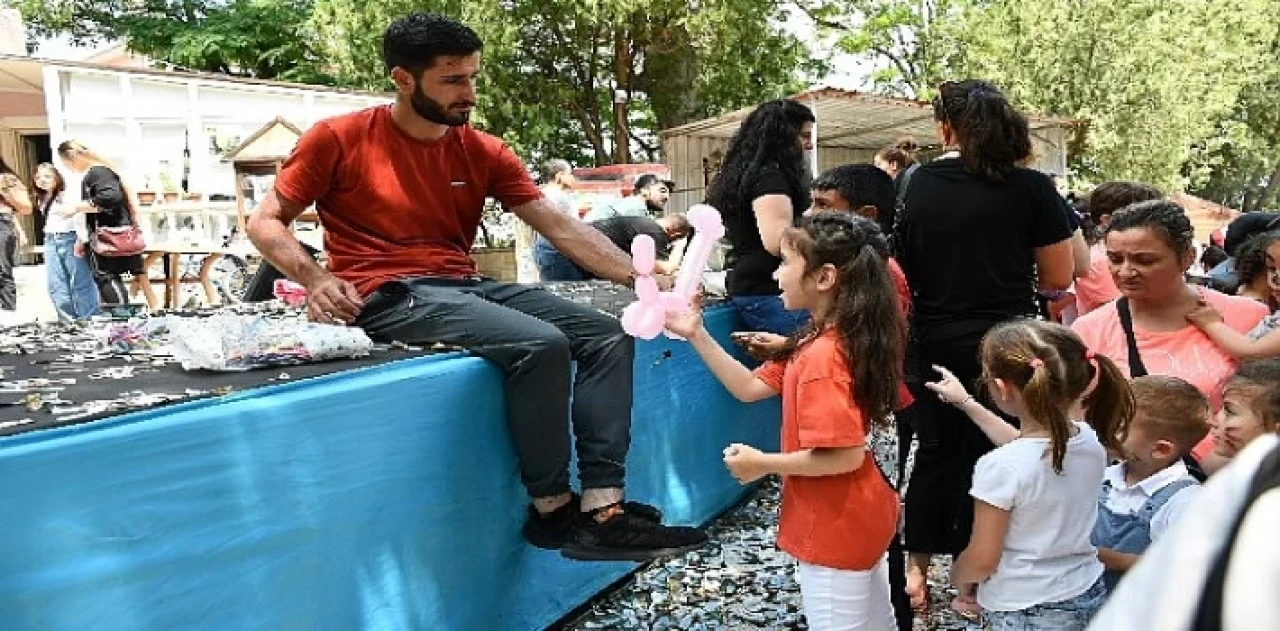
{"points": [[646, 317]]}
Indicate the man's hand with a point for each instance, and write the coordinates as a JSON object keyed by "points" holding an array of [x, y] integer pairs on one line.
{"points": [[331, 300], [78, 249], [761, 346]]}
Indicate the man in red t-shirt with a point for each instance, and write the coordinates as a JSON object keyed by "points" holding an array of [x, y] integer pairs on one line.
{"points": [[400, 190]]}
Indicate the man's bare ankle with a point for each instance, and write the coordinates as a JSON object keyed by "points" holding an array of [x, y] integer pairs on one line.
{"points": [[593, 499]]}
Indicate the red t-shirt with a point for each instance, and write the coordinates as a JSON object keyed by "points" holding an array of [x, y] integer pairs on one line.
{"points": [[904, 296], [838, 521], [393, 206]]}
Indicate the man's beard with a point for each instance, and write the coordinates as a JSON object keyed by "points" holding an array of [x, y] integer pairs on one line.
{"points": [[433, 111]]}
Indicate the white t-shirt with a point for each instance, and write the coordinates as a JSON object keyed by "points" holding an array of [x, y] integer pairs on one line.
{"points": [[1127, 500], [1164, 589], [1047, 555]]}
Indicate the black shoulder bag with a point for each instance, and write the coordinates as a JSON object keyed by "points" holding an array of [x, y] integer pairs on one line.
{"points": [[1138, 369]]}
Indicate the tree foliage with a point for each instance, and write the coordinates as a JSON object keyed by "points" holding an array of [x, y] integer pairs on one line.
{"points": [[591, 82], [911, 41], [265, 39]]}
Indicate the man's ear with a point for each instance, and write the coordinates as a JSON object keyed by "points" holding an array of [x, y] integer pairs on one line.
{"points": [[402, 79], [870, 212]]}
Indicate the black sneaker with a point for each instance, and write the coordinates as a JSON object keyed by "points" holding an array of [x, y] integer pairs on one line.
{"points": [[551, 531], [613, 533]]}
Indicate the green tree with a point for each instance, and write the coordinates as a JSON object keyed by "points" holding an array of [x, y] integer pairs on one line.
{"points": [[1149, 78], [265, 39], [1239, 166], [593, 82], [911, 41]]}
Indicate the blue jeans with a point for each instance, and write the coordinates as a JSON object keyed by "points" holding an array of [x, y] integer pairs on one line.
{"points": [[766, 314], [1072, 614], [554, 266], [71, 286]]}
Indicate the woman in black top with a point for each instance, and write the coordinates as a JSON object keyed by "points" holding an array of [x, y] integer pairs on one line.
{"points": [[762, 188], [977, 234], [107, 202]]}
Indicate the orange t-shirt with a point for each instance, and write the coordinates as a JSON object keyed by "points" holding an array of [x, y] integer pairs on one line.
{"points": [[393, 206], [1186, 353], [1096, 288], [839, 521]]}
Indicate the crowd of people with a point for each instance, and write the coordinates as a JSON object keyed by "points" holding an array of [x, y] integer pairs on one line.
{"points": [[81, 278], [897, 302], [893, 303]]}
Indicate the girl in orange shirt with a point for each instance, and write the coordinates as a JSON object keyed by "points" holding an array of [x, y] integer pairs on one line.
{"points": [[838, 379]]}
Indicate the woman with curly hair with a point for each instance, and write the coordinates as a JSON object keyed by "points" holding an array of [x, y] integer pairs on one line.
{"points": [[762, 188]]}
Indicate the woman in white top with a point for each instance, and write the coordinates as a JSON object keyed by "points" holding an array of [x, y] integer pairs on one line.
{"points": [[1030, 562], [71, 286]]}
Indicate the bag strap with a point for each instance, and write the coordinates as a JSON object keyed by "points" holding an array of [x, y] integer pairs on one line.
{"points": [[1136, 367], [1209, 613]]}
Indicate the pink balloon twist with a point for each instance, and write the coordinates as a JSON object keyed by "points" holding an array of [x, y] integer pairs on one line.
{"points": [[646, 317]]}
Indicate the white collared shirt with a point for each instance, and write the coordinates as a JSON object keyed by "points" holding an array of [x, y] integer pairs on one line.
{"points": [[1163, 590], [1127, 500]]}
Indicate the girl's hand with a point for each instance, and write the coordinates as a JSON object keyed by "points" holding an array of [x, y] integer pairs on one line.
{"points": [[949, 389], [686, 324], [78, 249], [745, 462], [1204, 315]]}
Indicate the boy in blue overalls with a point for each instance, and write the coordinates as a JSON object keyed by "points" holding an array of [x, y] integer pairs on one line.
{"points": [[1145, 494]]}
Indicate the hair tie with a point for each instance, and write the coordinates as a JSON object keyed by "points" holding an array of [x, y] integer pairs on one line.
{"points": [[1036, 362], [1089, 355]]}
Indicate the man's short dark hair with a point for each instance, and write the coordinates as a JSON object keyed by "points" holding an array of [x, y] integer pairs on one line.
{"points": [[649, 179], [415, 41], [862, 185]]}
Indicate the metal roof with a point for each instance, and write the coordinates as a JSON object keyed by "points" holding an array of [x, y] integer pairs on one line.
{"points": [[851, 119]]}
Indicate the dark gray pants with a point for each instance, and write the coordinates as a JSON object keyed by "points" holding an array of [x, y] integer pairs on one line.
{"points": [[8, 259], [534, 337]]}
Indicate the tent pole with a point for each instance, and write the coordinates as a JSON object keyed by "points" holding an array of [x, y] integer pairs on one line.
{"points": [[813, 135]]}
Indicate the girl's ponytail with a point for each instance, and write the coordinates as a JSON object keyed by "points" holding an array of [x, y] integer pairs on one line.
{"points": [[1044, 396], [1109, 406]]}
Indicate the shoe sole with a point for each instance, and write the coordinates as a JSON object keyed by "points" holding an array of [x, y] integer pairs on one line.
{"points": [[598, 553]]}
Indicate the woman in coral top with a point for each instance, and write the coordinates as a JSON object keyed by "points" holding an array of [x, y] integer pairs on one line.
{"points": [[838, 379], [1149, 246]]}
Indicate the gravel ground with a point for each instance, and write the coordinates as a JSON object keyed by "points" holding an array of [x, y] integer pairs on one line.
{"points": [[740, 580]]}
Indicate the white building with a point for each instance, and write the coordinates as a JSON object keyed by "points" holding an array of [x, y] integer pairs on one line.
{"points": [[160, 128]]}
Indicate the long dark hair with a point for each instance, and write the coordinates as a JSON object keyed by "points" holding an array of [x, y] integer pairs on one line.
{"points": [[769, 136], [43, 197], [866, 314], [993, 137], [1052, 368]]}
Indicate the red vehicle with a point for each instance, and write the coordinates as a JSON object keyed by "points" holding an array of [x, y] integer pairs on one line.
{"points": [[602, 184]]}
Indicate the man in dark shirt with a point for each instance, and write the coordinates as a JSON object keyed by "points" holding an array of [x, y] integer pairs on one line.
{"points": [[668, 235]]}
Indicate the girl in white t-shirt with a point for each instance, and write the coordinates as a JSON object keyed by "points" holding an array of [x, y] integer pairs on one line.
{"points": [[1029, 561]]}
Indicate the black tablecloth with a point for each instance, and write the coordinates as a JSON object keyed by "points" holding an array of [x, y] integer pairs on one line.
{"points": [[171, 379]]}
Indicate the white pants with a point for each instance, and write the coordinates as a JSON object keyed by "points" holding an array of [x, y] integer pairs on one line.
{"points": [[847, 600]]}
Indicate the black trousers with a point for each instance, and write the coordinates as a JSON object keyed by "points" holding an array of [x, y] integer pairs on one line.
{"points": [[8, 260], [534, 337], [938, 506]]}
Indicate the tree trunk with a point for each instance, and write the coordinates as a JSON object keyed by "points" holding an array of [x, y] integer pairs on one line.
{"points": [[1268, 194], [670, 77], [621, 96]]}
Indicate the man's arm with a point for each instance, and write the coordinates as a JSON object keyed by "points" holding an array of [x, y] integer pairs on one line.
{"points": [[328, 298], [577, 240]]}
